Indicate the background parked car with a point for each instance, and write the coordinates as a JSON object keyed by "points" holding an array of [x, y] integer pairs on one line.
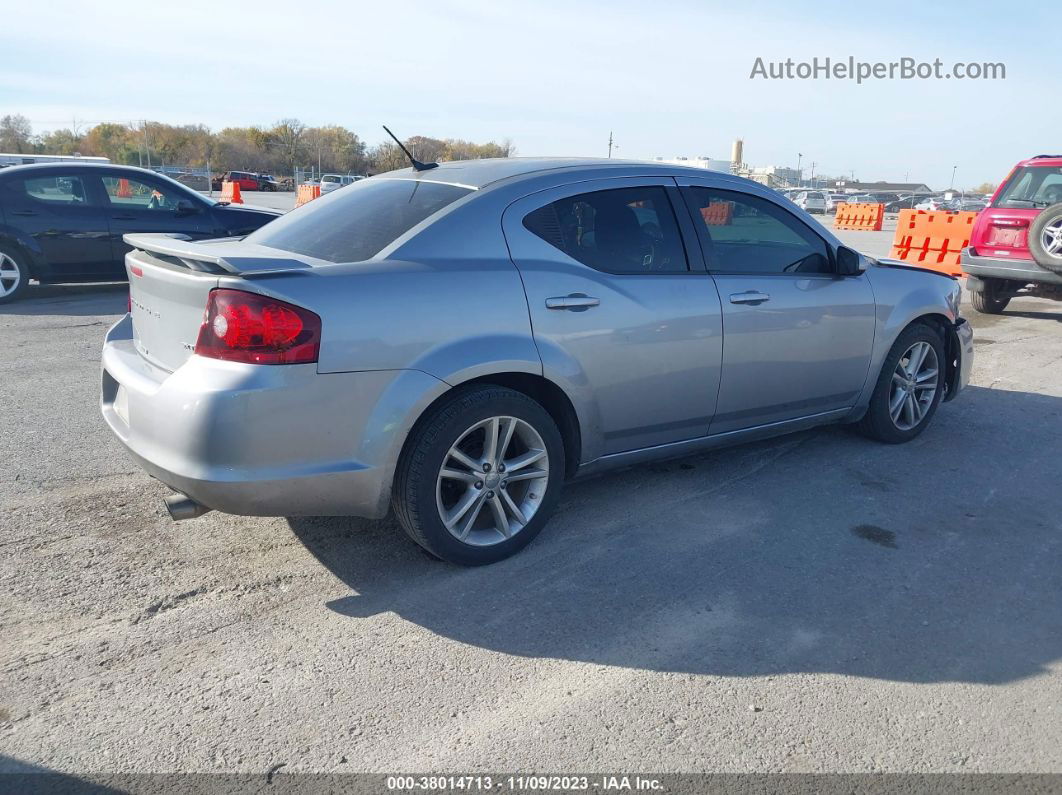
{"points": [[903, 203], [331, 182], [1016, 242], [64, 222], [811, 201], [267, 182], [247, 180]]}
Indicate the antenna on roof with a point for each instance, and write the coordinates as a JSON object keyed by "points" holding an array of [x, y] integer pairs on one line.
{"points": [[417, 165]]}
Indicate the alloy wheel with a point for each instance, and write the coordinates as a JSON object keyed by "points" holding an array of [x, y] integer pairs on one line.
{"points": [[914, 385], [492, 481], [1051, 239], [10, 275]]}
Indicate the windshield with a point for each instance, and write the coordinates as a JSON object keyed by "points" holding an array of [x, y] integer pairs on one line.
{"points": [[358, 222], [330, 178], [1032, 186]]}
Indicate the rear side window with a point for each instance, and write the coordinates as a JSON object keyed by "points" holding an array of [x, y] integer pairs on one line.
{"points": [[626, 230], [56, 190], [358, 223]]}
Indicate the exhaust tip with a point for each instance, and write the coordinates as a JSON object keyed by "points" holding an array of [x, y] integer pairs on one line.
{"points": [[181, 507]]}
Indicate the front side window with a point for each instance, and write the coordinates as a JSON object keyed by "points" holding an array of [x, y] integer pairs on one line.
{"points": [[624, 230], [747, 234], [57, 190], [358, 223], [132, 194]]}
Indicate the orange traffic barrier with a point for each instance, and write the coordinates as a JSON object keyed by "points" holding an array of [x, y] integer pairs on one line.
{"points": [[866, 217], [230, 192], [124, 191], [933, 240], [307, 193], [718, 213]]}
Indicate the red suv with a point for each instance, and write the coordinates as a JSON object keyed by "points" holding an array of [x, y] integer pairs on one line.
{"points": [[1016, 242]]}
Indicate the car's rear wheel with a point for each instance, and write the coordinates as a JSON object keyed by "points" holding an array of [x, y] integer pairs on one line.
{"points": [[909, 388], [479, 476], [14, 276], [1045, 238], [992, 298]]}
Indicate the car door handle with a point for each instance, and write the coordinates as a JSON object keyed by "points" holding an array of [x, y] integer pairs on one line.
{"points": [[576, 302], [749, 297], [23, 212], [124, 217]]}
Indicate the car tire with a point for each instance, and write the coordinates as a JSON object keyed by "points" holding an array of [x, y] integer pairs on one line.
{"points": [[881, 421], [1047, 227], [14, 275], [992, 299], [427, 500]]}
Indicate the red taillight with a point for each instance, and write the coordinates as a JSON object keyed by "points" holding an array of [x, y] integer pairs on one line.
{"points": [[256, 329]]}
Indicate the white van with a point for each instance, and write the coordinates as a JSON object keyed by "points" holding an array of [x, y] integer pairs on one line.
{"points": [[330, 182]]}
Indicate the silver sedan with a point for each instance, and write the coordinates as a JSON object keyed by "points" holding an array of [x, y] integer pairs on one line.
{"points": [[458, 341]]}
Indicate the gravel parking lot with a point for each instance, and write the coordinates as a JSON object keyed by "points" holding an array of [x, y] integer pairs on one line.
{"points": [[812, 603]]}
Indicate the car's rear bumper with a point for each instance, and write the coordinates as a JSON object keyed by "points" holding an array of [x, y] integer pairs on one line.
{"points": [[1026, 271], [260, 440]]}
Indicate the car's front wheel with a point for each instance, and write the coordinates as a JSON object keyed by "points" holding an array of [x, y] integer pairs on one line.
{"points": [[909, 388], [479, 476], [14, 276]]}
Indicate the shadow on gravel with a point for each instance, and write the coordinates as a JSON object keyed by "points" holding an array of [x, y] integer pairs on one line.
{"points": [[27, 779], [108, 298], [939, 560]]}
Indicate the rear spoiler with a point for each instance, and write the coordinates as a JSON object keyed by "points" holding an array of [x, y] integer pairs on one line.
{"points": [[179, 249]]}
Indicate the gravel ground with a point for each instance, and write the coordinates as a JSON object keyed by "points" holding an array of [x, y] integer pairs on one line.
{"points": [[812, 603]]}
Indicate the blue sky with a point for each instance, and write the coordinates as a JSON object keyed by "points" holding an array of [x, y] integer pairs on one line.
{"points": [[667, 78]]}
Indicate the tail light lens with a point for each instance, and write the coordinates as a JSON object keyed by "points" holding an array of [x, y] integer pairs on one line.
{"points": [[257, 329]]}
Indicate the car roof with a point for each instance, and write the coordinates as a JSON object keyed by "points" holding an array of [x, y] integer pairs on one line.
{"points": [[1052, 161], [481, 173], [66, 165]]}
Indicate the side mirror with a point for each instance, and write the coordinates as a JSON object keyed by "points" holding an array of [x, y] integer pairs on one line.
{"points": [[849, 261], [185, 207]]}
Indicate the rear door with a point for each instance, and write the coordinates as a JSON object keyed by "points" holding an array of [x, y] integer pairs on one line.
{"points": [[137, 203], [61, 211], [797, 337], [619, 311]]}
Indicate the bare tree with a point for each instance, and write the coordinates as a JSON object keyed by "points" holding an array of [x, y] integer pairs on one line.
{"points": [[15, 133]]}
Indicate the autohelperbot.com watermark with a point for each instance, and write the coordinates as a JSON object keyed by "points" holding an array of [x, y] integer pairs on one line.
{"points": [[864, 71]]}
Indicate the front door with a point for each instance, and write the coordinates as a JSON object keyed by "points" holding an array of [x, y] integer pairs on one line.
{"points": [[619, 315], [797, 337], [137, 203]]}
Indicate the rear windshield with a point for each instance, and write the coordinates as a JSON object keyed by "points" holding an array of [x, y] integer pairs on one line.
{"points": [[358, 222], [1032, 186]]}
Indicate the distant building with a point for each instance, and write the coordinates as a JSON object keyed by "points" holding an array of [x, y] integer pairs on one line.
{"points": [[697, 162], [15, 159], [855, 186]]}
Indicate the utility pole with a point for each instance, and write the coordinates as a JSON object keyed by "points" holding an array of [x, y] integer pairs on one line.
{"points": [[813, 164], [610, 143], [800, 174], [952, 185]]}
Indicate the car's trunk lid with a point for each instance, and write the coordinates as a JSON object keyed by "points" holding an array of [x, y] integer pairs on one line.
{"points": [[170, 279]]}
